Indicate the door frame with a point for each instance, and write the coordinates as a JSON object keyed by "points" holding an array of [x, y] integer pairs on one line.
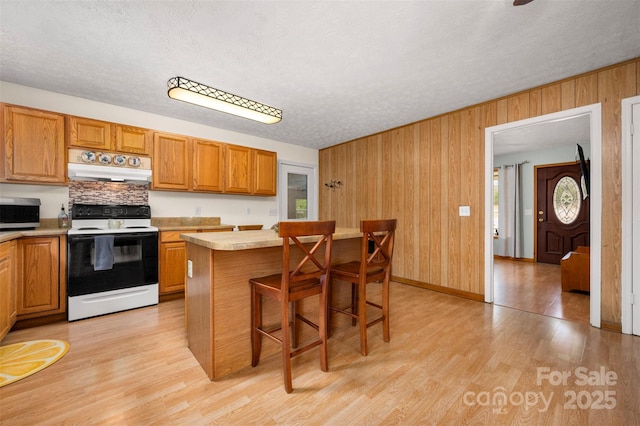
{"points": [[628, 204], [311, 171], [595, 207]]}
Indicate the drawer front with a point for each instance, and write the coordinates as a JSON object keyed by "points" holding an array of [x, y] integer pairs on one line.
{"points": [[169, 236]]}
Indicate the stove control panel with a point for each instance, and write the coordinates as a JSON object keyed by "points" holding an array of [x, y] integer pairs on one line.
{"points": [[93, 211]]}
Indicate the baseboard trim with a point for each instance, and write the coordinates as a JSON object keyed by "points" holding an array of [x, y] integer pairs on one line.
{"points": [[171, 296], [611, 326], [21, 324], [441, 289], [515, 259]]}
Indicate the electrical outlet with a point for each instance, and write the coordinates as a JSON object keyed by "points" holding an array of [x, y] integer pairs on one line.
{"points": [[248, 210], [189, 269], [197, 211], [464, 210]]}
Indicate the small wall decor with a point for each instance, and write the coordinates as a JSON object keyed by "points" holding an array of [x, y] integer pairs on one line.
{"points": [[333, 184]]}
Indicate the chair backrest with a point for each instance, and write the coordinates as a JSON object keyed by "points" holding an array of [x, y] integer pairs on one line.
{"points": [[312, 265], [377, 243]]}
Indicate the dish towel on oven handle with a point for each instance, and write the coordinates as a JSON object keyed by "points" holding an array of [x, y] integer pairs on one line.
{"points": [[104, 256]]}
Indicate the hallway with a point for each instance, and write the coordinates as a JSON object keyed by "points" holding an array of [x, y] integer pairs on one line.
{"points": [[536, 288]]}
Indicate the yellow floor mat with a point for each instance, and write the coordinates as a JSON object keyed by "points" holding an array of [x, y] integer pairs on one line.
{"points": [[21, 360]]}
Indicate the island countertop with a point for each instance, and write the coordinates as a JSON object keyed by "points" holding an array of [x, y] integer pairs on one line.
{"points": [[218, 294], [247, 240]]}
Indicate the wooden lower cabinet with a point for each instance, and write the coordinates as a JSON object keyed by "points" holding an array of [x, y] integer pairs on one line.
{"points": [[8, 309], [172, 264], [41, 276], [172, 260]]}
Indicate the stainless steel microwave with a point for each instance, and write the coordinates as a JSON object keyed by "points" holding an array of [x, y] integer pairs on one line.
{"points": [[19, 213]]}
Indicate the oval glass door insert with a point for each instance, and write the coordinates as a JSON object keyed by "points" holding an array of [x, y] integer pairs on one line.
{"points": [[566, 200]]}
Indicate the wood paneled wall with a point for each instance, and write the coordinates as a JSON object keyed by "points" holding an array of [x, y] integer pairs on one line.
{"points": [[422, 172]]}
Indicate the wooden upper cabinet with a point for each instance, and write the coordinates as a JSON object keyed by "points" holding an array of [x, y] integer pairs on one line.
{"points": [[238, 169], [134, 140], [264, 172], [208, 166], [171, 161], [33, 150], [105, 136], [88, 133]]}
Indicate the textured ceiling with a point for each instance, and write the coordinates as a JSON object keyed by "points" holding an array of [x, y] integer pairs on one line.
{"points": [[546, 135], [338, 70]]}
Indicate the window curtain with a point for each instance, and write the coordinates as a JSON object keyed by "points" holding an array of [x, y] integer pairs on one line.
{"points": [[509, 218]]}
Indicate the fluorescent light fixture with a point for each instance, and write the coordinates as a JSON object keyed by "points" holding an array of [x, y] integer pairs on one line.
{"points": [[189, 91]]}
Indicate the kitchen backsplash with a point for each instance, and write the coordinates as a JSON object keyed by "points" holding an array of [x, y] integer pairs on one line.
{"points": [[90, 192]]}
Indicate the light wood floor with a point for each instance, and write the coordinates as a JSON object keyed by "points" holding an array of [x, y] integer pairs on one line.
{"points": [[536, 287], [448, 360]]}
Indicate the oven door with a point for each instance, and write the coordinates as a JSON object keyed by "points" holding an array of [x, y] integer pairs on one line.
{"points": [[135, 263]]}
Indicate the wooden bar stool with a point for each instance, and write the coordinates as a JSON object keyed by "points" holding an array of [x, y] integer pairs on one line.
{"points": [[376, 252], [298, 280]]}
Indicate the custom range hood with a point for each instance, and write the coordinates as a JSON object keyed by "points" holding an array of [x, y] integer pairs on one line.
{"points": [[78, 171], [106, 166]]}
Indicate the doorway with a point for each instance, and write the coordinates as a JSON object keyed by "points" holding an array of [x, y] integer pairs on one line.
{"points": [[593, 112], [630, 304], [297, 187]]}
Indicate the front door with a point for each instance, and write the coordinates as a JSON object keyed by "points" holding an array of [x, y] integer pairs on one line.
{"points": [[562, 213]]}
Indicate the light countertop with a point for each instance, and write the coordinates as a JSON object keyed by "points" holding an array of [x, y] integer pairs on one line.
{"points": [[49, 227], [187, 228], [246, 240], [188, 223], [38, 232]]}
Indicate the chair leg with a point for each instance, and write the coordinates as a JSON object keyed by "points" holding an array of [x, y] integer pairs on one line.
{"points": [[385, 308], [322, 327], [286, 347], [328, 312], [354, 302], [256, 321], [294, 324], [362, 315]]}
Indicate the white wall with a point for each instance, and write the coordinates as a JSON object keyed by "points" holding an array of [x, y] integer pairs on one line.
{"points": [[562, 154], [232, 209]]}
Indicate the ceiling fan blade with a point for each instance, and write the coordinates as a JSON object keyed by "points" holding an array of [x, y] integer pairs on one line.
{"points": [[521, 2]]}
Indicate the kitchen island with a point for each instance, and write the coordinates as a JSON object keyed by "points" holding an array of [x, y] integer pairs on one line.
{"points": [[218, 295]]}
